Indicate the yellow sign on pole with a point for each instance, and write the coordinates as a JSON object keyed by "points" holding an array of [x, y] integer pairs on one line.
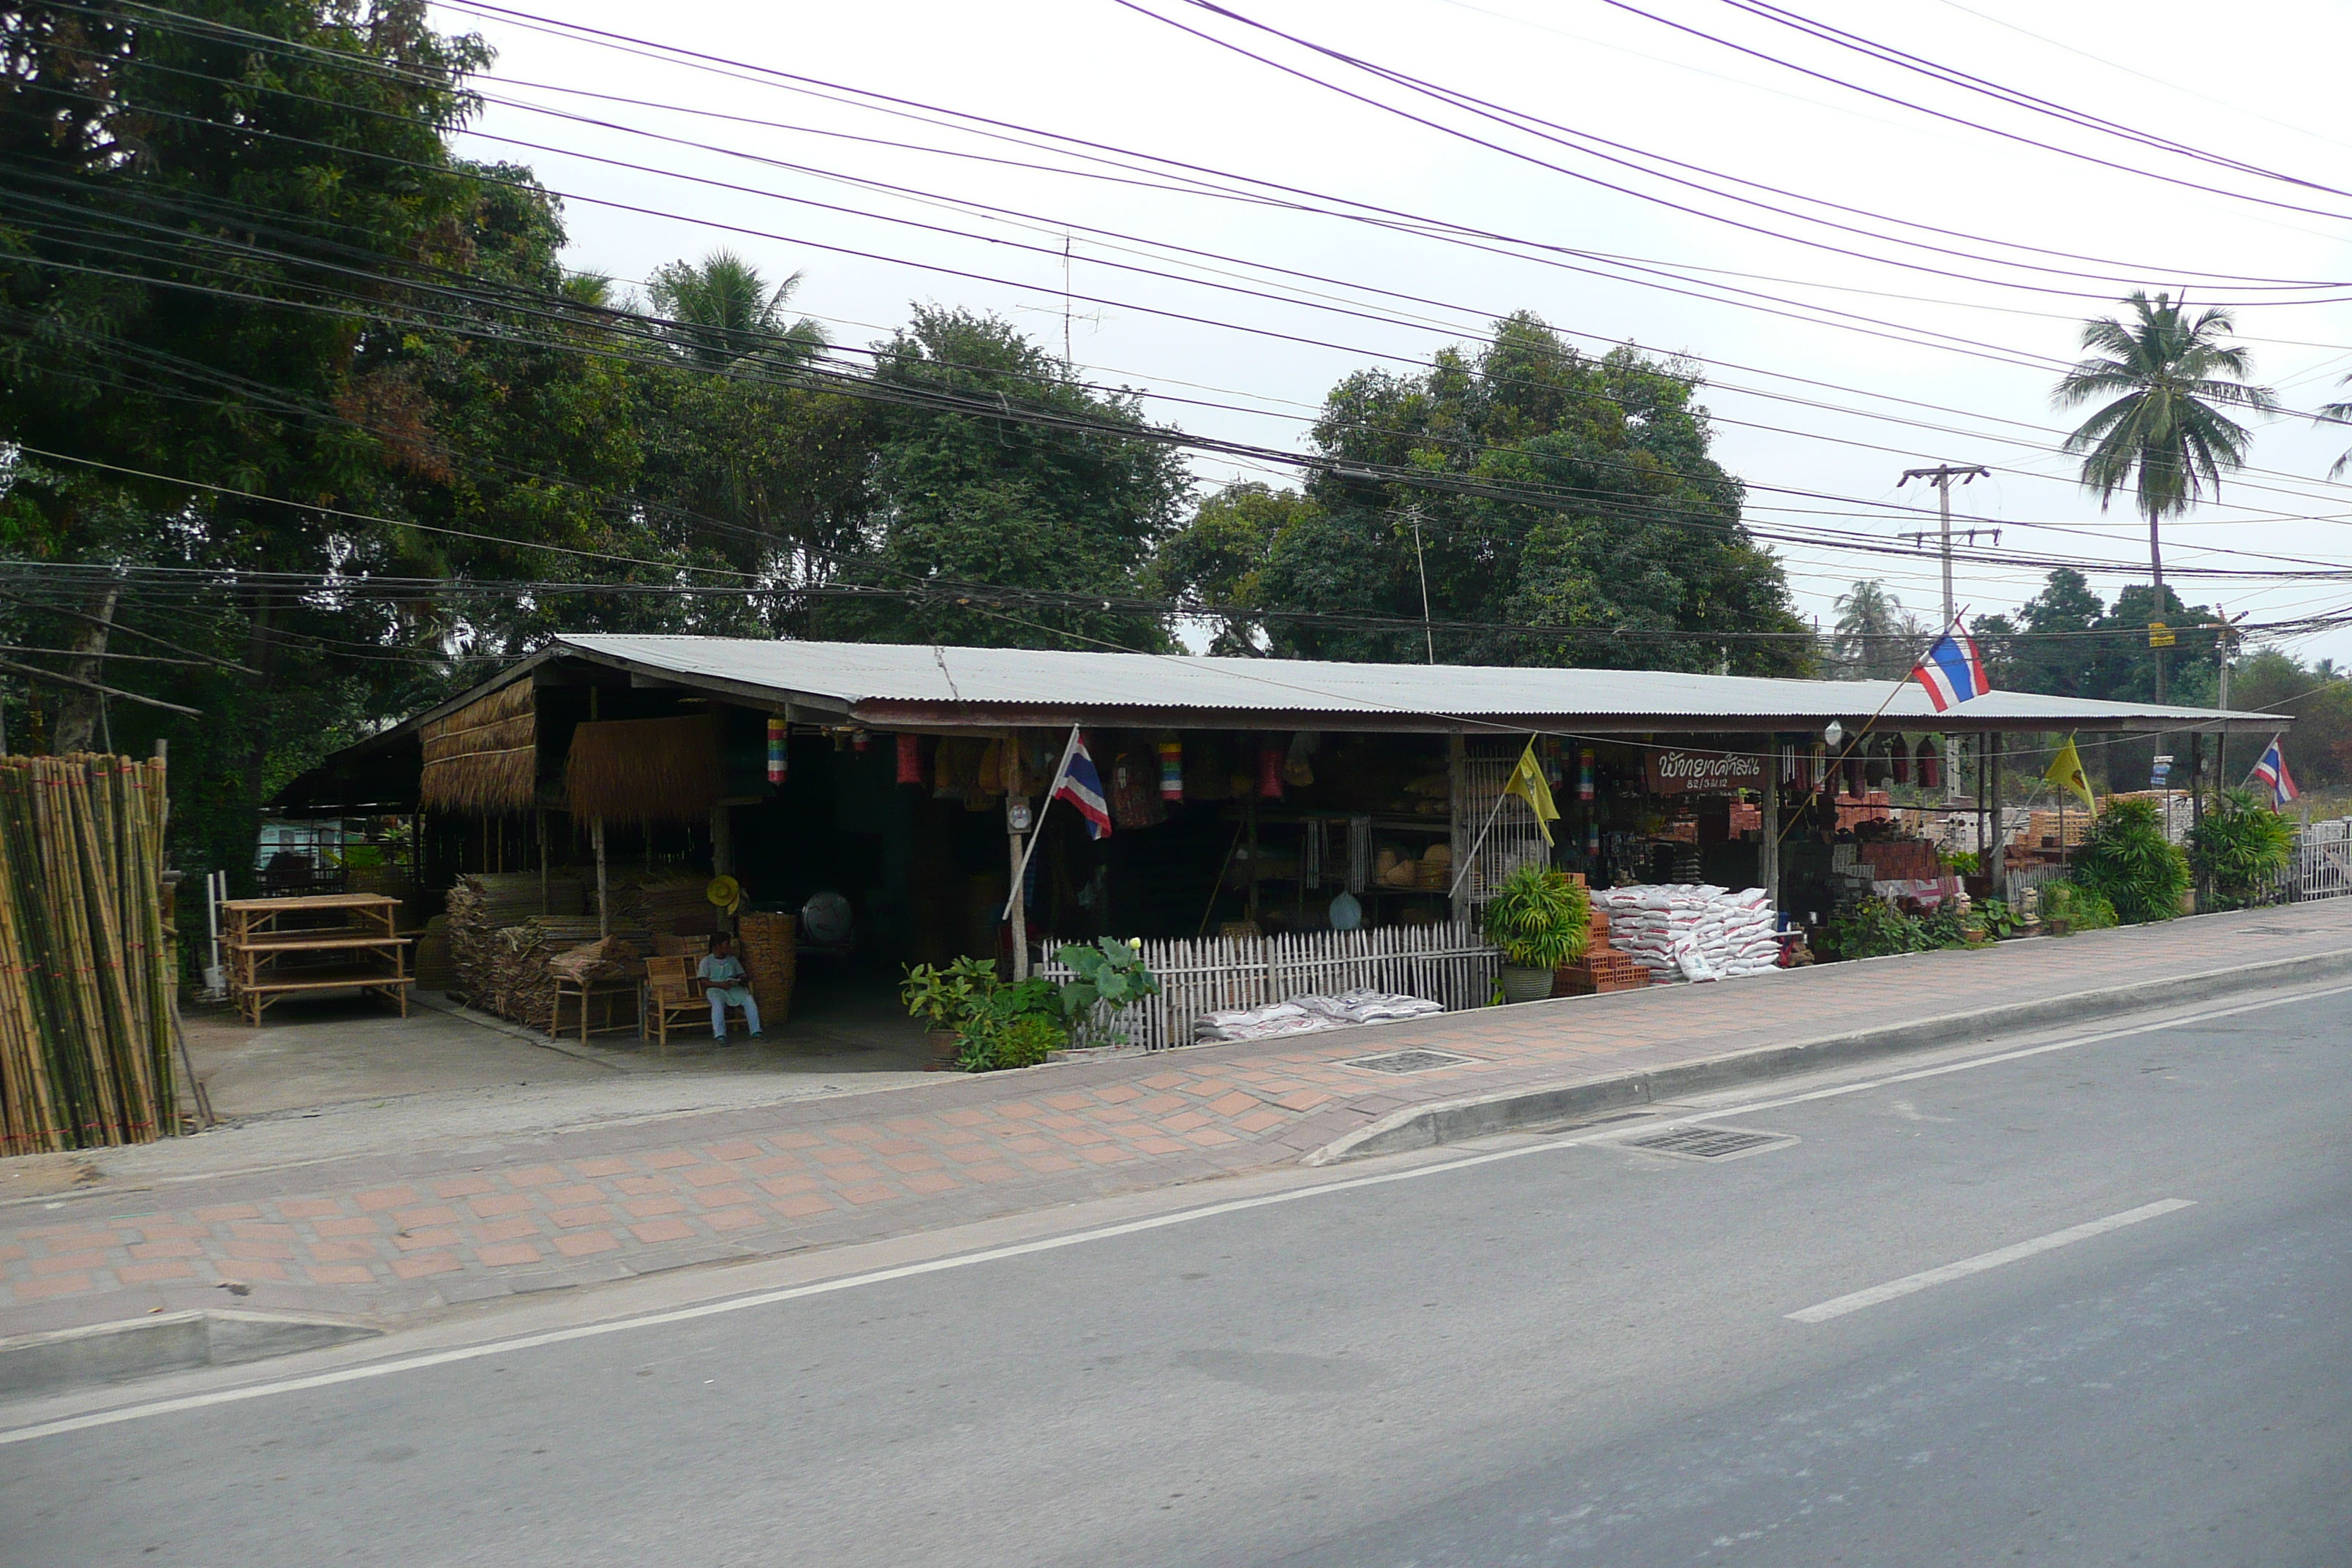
{"points": [[2160, 634]]}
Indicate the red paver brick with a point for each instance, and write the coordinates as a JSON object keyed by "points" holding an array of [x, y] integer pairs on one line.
{"points": [[908, 1164], [506, 1230], [867, 1192], [340, 1274], [166, 1249], [734, 1149], [1261, 1120], [504, 1204], [802, 1205], [255, 1249], [712, 1175], [646, 1209], [1184, 1124], [535, 1177], [785, 1186], [734, 1219], [169, 1233], [644, 1185], [1027, 1145], [855, 1133], [434, 1214], [506, 1255], [1166, 1080], [464, 1187], [967, 1153], [1305, 1100], [1049, 1163], [999, 1173], [347, 1227], [310, 1208], [602, 1167], [1108, 1154], [431, 1237], [586, 1243], [148, 1273], [897, 1146], [965, 1118], [1209, 1137], [1161, 1104], [69, 1263], [845, 1175], [796, 1141], [662, 1230], [1059, 1123], [932, 1182], [839, 1156], [724, 1198], [1235, 1104], [254, 1230], [1160, 1146], [586, 1214], [1083, 1136], [253, 1269], [776, 1165], [910, 1125], [10, 1254], [1118, 1093], [426, 1264], [385, 1198], [221, 1212], [573, 1196], [671, 1159], [52, 1288], [1069, 1101], [341, 1251]]}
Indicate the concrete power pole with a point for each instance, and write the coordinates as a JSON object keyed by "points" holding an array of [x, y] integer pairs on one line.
{"points": [[1941, 477]]}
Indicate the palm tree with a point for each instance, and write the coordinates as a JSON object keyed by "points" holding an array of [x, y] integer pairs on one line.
{"points": [[2168, 378], [2337, 413], [1875, 636], [723, 311]]}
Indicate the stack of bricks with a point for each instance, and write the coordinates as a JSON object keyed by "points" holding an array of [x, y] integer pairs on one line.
{"points": [[1902, 860], [1602, 968]]}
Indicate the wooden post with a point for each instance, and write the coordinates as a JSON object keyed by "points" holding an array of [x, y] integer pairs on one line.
{"points": [[723, 840], [1016, 912], [1768, 847], [542, 818], [1457, 775], [603, 895]]}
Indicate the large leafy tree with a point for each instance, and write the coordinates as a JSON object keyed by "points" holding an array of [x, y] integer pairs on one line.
{"points": [[2161, 382], [965, 499], [1565, 494]]}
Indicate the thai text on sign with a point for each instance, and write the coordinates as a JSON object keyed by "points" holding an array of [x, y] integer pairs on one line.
{"points": [[1702, 773]]}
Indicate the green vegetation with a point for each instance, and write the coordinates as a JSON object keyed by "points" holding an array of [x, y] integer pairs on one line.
{"points": [[2069, 907], [1540, 918], [2241, 847], [2126, 861]]}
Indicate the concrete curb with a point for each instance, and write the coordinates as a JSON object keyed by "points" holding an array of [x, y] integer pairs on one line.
{"points": [[164, 1342], [1482, 1116]]}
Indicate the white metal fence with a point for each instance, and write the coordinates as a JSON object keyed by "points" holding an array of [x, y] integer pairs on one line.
{"points": [[1451, 965], [2322, 866]]}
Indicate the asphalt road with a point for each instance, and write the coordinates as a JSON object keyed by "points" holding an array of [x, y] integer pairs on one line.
{"points": [[1575, 1353]]}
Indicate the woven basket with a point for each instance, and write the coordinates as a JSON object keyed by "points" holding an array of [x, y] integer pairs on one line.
{"points": [[771, 963]]}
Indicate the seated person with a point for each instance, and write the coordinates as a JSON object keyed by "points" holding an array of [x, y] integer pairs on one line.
{"points": [[721, 973]]}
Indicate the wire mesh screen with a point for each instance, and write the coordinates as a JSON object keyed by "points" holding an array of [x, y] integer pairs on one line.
{"points": [[1512, 838]]}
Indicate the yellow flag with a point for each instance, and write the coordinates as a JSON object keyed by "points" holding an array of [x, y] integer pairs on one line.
{"points": [[2066, 771], [1527, 783]]}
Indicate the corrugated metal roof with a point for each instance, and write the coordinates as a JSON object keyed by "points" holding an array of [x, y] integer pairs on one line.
{"points": [[976, 680]]}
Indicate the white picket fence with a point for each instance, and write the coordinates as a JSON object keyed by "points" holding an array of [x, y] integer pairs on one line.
{"points": [[1450, 964], [2322, 866]]}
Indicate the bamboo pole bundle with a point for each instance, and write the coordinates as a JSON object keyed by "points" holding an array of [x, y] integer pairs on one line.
{"points": [[85, 979]]}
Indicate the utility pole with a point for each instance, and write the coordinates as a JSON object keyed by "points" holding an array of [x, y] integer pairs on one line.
{"points": [[1428, 637], [2225, 642], [1941, 477]]}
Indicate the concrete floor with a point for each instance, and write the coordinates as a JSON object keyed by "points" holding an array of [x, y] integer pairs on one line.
{"points": [[342, 1072]]}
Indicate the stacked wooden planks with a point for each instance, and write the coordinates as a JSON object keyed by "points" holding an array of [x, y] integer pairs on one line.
{"points": [[86, 963]]}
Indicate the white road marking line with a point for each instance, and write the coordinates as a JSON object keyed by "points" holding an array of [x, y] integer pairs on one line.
{"points": [[964, 1260], [1984, 1260]]}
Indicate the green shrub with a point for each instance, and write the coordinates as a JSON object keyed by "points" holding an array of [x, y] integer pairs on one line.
{"points": [[2128, 862], [1540, 918], [1872, 929], [1961, 862], [1998, 919], [2241, 847], [2078, 906], [992, 1044]]}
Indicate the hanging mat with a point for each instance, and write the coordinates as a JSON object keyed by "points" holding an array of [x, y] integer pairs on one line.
{"points": [[645, 770]]}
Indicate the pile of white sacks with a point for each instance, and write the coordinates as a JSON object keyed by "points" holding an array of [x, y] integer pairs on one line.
{"points": [[1692, 930], [1309, 1014]]}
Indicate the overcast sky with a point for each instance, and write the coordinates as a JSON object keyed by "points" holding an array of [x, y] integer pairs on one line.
{"points": [[1808, 408]]}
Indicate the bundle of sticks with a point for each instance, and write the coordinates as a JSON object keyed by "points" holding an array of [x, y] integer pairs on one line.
{"points": [[86, 961]]}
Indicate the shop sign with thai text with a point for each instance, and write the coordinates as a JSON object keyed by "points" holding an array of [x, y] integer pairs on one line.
{"points": [[1702, 773]]}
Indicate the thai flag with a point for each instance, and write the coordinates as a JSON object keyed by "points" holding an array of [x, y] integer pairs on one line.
{"points": [[2272, 770], [1953, 671], [1082, 787]]}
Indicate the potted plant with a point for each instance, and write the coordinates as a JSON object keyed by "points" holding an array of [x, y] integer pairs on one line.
{"points": [[1541, 919], [945, 1000], [1110, 972]]}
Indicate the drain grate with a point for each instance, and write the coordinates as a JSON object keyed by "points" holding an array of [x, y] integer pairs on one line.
{"points": [[2281, 930], [1708, 1142], [1408, 1061]]}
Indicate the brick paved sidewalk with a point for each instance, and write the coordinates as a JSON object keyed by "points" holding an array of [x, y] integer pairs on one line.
{"points": [[385, 1237]]}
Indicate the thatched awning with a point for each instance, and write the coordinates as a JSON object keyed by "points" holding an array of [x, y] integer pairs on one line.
{"points": [[485, 756], [645, 770]]}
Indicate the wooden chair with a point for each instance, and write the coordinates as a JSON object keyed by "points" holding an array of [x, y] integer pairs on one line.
{"points": [[671, 994]]}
